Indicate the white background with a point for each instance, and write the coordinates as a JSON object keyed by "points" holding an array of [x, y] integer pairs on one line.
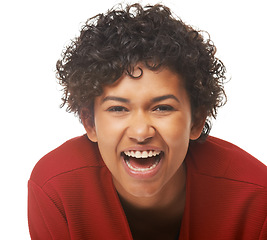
{"points": [[33, 34]]}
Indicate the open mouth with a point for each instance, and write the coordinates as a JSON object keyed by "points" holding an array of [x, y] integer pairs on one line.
{"points": [[142, 161]]}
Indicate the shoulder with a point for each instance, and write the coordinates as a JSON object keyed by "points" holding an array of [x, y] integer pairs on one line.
{"points": [[219, 158], [74, 154]]}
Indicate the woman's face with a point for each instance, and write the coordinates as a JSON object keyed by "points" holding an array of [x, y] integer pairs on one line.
{"points": [[143, 127]]}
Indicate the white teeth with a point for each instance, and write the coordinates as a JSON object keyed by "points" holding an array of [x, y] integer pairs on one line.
{"points": [[143, 154]]}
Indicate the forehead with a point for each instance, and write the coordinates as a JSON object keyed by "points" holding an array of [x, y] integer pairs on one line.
{"points": [[144, 80]]}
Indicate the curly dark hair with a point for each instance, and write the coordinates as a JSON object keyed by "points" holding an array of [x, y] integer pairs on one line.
{"points": [[112, 44]]}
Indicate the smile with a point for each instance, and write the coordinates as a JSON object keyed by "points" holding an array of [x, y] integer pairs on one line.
{"points": [[142, 161], [143, 154]]}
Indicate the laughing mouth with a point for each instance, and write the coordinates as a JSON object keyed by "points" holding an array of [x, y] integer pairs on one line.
{"points": [[142, 161]]}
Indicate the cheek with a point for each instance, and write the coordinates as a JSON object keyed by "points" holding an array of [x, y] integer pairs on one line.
{"points": [[109, 133], [176, 135], [178, 146], [107, 144], [108, 130], [176, 130]]}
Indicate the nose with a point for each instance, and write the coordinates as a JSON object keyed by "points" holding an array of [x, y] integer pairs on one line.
{"points": [[140, 128]]}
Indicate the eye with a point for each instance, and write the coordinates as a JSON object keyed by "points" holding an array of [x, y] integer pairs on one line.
{"points": [[117, 109], [163, 108]]}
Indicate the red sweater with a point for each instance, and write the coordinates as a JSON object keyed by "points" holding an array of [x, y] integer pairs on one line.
{"points": [[71, 195]]}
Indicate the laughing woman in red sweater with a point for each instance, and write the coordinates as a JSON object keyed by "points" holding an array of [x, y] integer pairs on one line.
{"points": [[145, 86]]}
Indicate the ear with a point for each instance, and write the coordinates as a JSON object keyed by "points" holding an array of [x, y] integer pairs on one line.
{"points": [[196, 128], [88, 123]]}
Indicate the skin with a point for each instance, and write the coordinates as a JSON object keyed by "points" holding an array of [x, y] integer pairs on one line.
{"points": [[149, 112]]}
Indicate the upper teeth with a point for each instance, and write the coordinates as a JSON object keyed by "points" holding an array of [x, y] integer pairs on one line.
{"points": [[143, 154]]}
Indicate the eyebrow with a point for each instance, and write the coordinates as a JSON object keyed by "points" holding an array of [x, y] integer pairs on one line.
{"points": [[153, 100], [164, 97], [113, 98]]}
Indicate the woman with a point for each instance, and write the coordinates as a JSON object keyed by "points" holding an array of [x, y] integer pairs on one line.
{"points": [[145, 86]]}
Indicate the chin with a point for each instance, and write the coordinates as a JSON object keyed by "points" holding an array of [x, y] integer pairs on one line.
{"points": [[144, 192]]}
